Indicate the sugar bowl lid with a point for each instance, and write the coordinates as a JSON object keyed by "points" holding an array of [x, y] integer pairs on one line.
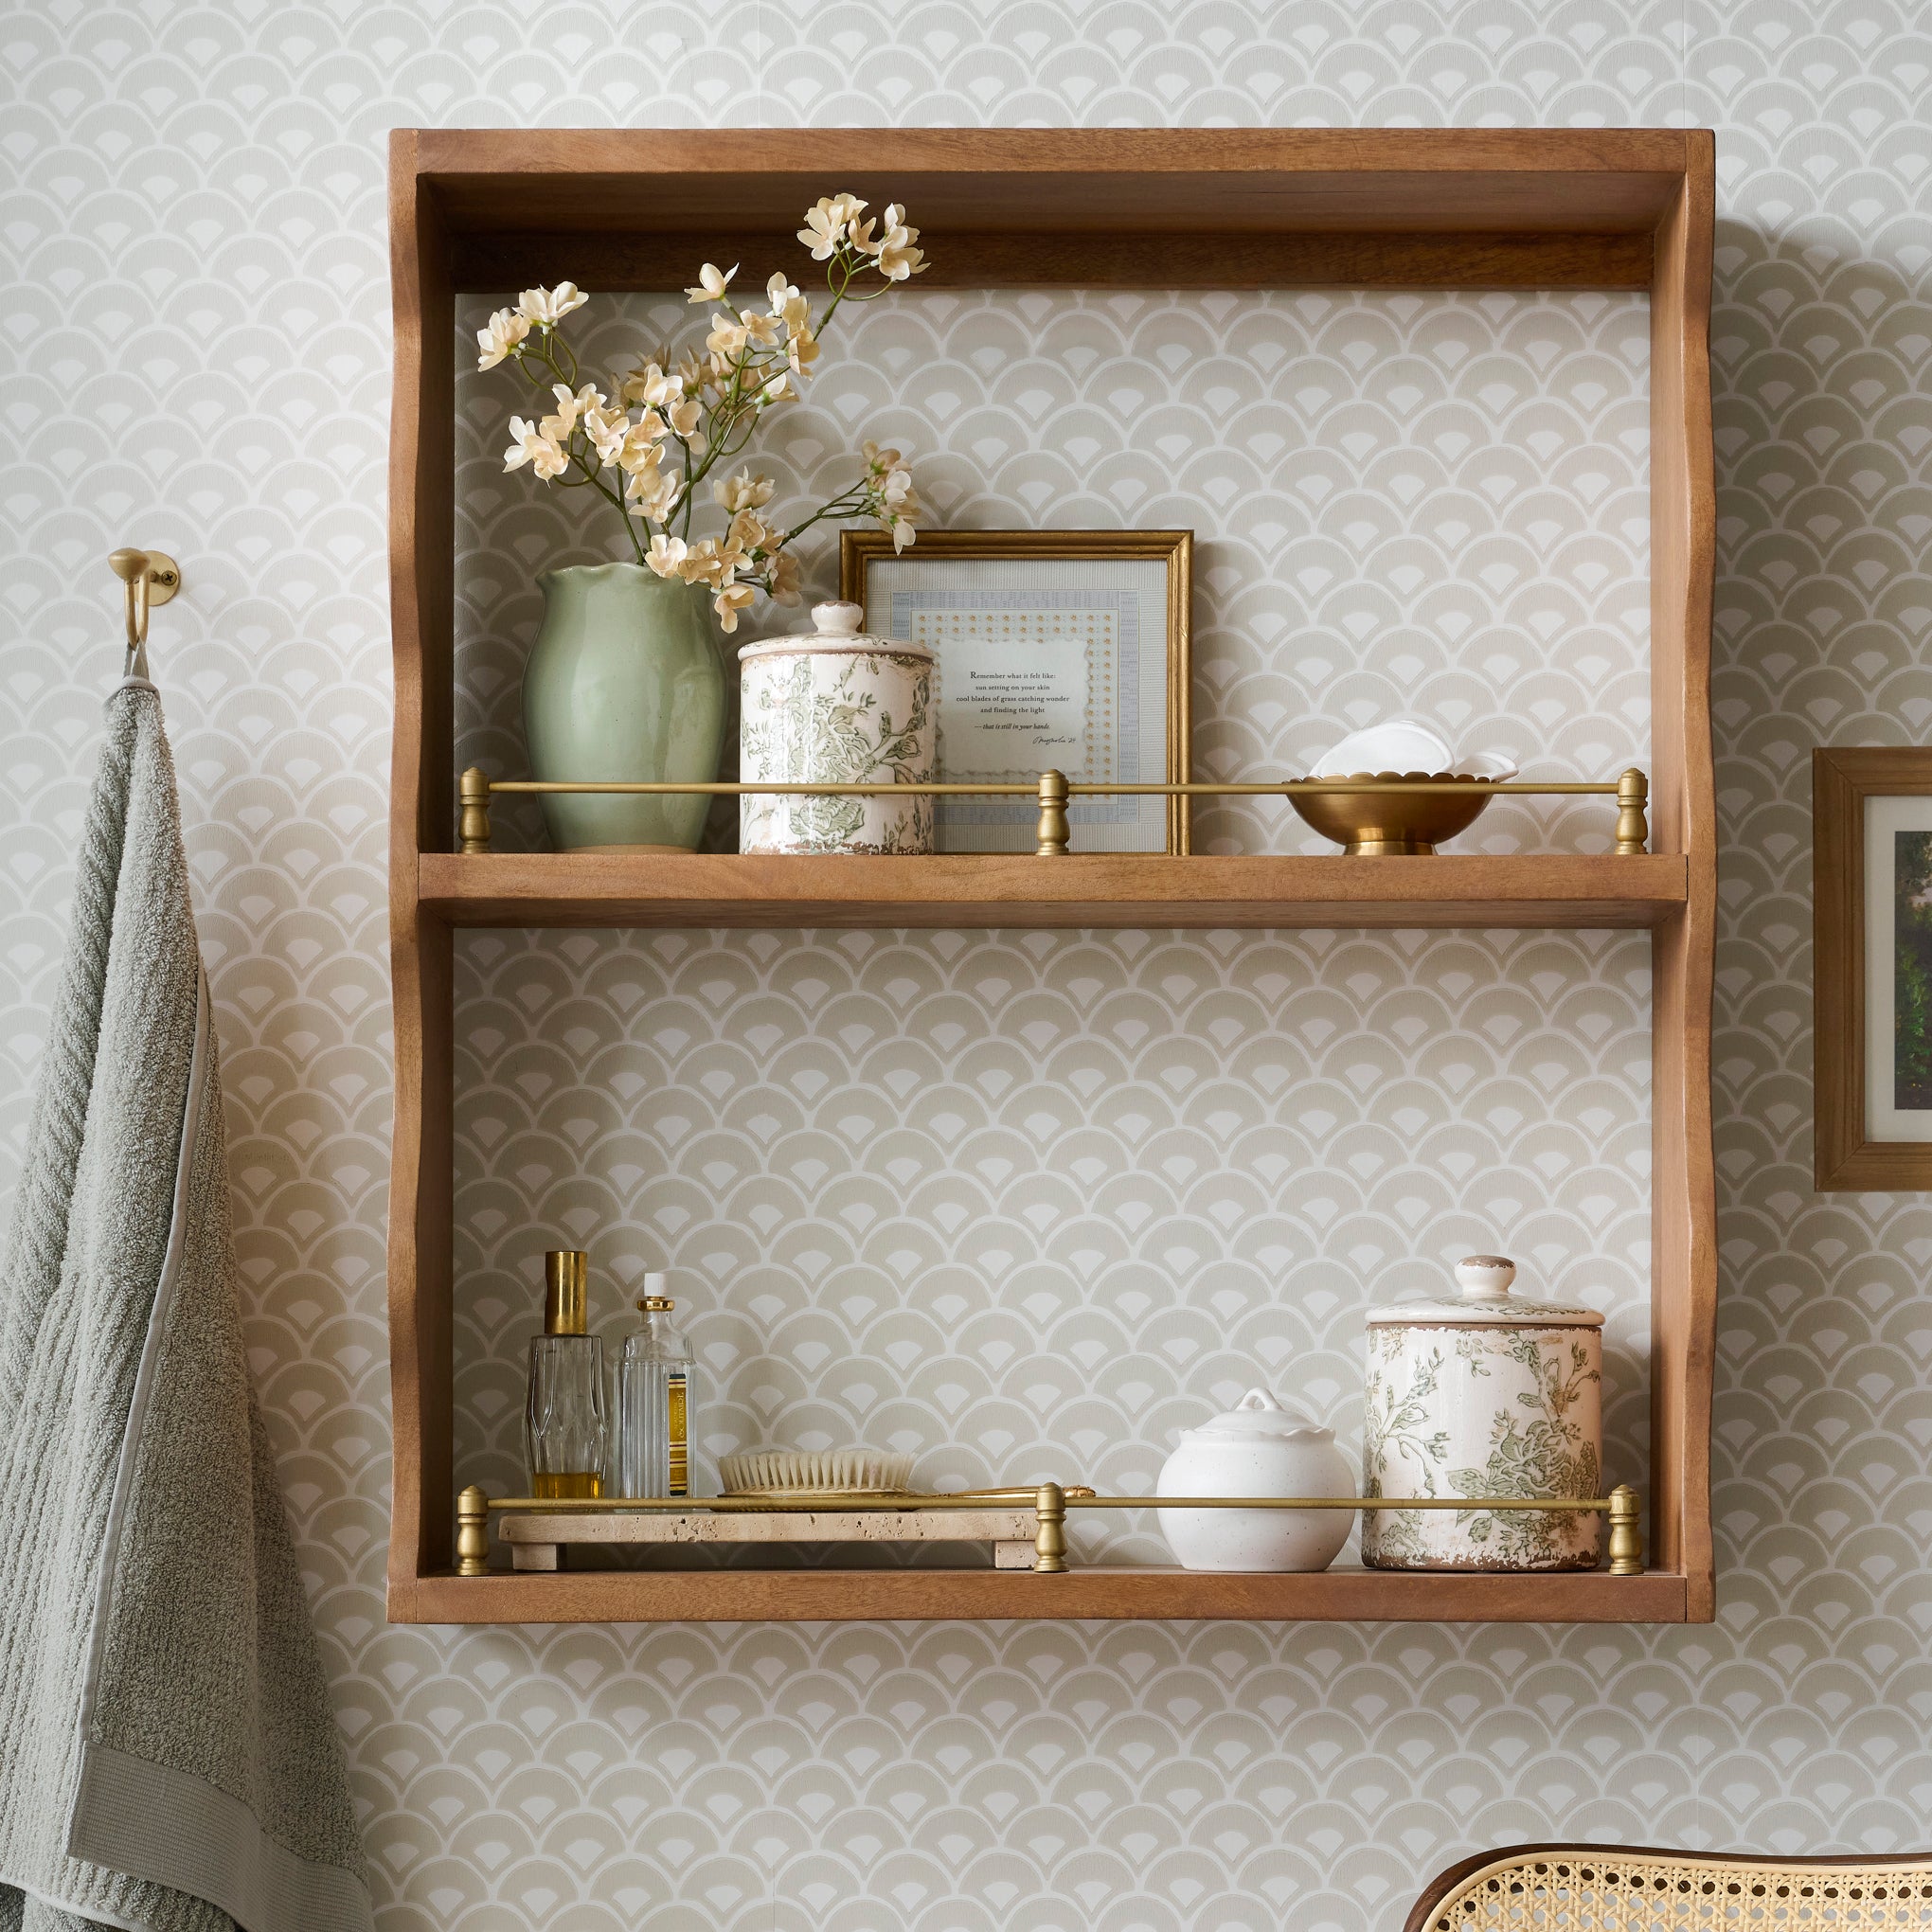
{"points": [[1257, 1417], [835, 627], [1485, 1301]]}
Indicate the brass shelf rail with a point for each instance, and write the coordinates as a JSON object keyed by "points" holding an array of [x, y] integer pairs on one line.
{"points": [[1050, 1501], [1053, 790]]}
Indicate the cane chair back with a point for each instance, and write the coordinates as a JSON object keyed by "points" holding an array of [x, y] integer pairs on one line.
{"points": [[1607, 1889]]}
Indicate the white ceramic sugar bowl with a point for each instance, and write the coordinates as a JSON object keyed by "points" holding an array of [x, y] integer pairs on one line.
{"points": [[1483, 1393], [835, 707], [1258, 1449]]}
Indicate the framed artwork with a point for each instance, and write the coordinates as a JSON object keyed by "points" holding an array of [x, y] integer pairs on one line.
{"points": [[1872, 968], [1054, 649]]}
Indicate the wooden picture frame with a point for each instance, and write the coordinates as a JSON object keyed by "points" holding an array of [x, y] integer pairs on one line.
{"points": [[863, 552], [1846, 783]]}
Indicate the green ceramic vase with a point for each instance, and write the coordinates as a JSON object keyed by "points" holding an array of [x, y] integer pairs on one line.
{"points": [[625, 681]]}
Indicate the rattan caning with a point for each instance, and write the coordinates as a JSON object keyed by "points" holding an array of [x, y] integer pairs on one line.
{"points": [[1602, 1888]]}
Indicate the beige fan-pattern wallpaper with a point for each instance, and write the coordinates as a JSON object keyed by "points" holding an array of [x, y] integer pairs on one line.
{"points": [[194, 219]]}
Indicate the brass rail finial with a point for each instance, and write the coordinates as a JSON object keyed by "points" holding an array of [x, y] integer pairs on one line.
{"points": [[1053, 832], [1627, 1535], [1049, 1540], [1632, 829], [472, 825], [472, 1533]]}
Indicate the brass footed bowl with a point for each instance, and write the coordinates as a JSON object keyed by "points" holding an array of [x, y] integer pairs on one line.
{"points": [[1379, 824]]}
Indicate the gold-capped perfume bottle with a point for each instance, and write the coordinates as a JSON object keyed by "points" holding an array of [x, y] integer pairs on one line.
{"points": [[565, 1418], [654, 1402]]}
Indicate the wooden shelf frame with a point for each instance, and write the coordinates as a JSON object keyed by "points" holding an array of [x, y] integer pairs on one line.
{"points": [[484, 210]]}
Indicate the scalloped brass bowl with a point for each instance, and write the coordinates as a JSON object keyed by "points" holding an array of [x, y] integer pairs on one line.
{"points": [[1381, 824]]}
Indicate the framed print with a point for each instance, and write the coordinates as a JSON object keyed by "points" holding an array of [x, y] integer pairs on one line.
{"points": [[1871, 924], [1054, 649]]}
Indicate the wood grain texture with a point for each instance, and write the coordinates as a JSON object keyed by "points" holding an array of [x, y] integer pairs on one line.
{"points": [[1684, 1207], [422, 567], [706, 182], [1842, 778], [1356, 1596], [1543, 891], [490, 260]]}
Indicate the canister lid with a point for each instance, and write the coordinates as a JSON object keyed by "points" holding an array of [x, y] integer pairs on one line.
{"points": [[835, 627], [1485, 1301], [1257, 1417]]}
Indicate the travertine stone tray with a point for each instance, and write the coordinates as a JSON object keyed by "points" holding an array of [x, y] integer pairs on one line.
{"points": [[535, 1539]]}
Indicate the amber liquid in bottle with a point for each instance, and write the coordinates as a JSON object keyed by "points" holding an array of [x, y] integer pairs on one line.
{"points": [[560, 1487]]}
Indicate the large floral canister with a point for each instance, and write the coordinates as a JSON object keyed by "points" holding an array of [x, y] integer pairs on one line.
{"points": [[836, 707], [1483, 1393], [1257, 1449]]}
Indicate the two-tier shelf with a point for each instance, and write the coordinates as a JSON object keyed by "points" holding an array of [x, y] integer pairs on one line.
{"points": [[484, 210]]}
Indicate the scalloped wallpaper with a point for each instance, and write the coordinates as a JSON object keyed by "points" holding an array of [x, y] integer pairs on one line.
{"points": [[1288, 1126]]}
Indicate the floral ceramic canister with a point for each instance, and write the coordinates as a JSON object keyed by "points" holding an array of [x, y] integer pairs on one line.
{"points": [[836, 707], [1257, 1449], [1483, 1393]]}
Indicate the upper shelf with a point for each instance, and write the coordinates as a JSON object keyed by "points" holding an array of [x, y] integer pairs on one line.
{"points": [[1553, 890], [1248, 208]]}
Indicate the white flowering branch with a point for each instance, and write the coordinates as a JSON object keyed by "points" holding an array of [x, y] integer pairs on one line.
{"points": [[696, 415]]}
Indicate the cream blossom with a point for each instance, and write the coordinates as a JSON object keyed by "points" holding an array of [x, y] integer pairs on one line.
{"points": [[666, 555], [785, 578], [546, 307], [762, 330], [829, 224], [893, 252], [742, 491], [727, 338], [506, 328], [729, 601], [654, 493], [650, 386], [685, 416], [711, 283], [802, 351], [528, 444]]}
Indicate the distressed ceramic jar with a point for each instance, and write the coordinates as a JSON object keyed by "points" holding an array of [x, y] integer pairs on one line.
{"points": [[1483, 1393], [836, 707], [1258, 1449]]}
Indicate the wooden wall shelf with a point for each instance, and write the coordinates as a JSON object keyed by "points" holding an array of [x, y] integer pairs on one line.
{"points": [[1560, 891], [812, 1595], [489, 209]]}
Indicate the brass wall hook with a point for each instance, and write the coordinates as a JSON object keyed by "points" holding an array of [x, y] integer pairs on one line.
{"points": [[152, 577]]}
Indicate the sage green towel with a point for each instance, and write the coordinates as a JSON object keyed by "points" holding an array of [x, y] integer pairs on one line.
{"points": [[169, 1755]]}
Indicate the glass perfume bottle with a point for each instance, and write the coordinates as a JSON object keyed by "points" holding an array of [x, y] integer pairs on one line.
{"points": [[654, 1402], [566, 1435]]}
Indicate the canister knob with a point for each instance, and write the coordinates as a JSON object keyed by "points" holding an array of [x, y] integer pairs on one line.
{"points": [[1485, 1278]]}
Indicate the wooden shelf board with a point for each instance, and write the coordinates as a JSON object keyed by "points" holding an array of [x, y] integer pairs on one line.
{"points": [[793, 1596], [1553, 891], [1248, 180]]}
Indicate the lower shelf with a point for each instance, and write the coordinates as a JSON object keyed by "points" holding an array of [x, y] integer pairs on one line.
{"points": [[1334, 1596]]}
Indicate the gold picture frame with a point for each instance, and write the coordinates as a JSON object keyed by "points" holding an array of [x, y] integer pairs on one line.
{"points": [[1864, 802], [866, 556]]}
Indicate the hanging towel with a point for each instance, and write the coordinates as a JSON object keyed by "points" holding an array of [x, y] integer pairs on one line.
{"points": [[169, 1756]]}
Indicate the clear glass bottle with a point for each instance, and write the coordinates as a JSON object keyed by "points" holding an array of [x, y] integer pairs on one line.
{"points": [[654, 1402], [565, 1428]]}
